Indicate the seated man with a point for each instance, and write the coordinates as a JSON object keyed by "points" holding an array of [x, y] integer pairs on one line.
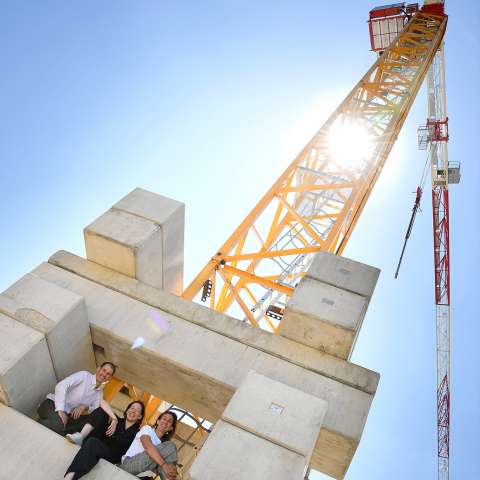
{"points": [[75, 397]]}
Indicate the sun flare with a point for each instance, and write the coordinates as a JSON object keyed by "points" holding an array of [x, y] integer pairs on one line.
{"points": [[350, 144]]}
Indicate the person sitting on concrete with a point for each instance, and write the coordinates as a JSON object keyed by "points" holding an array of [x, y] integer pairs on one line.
{"points": [[75, 397], [104, 436], [152, 452]]}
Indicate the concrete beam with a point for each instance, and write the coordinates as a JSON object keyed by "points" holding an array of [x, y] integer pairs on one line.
{"points": [[141, 236], [203, 357], [57, 313], [26, 370], [30, 450]]}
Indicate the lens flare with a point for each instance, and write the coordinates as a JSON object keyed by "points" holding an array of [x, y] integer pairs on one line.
{"points": [[350, 144], [158, 323], [138, 342]]}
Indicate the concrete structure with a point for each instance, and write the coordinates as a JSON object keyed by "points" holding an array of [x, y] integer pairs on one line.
{"points": [[206, 362], [58, 314], [327, 308], [204, 356], [26, 370], [31, 451], [264, 420], [141, 236]]}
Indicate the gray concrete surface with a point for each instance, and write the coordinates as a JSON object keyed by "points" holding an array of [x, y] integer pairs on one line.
{"points": [[327, 309], [323, 317], [227, 455], [141, 236], [31, 451], [344, 273], [169, 215], [26, 370], [57, 313], [278, 413]]}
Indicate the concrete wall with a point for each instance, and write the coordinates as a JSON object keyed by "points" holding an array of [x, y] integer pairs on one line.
{"points": [[31, 451]]}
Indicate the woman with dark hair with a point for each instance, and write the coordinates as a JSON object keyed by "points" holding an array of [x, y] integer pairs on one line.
{"points": [[106, 436], [152, 450]]}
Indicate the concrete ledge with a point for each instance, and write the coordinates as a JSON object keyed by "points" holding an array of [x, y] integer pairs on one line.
{"points": [[31, 451], [26, 370]]}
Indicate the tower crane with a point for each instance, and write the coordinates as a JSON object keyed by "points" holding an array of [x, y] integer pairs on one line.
{"points": [[316, 202], [434, 137]]}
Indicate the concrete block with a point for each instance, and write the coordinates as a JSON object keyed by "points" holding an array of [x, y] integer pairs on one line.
{"points": [[344, 273], [203, 357], [31, 451], [279, 413], [323, 317], [141, 236], [57, 313], [26, 370], [234, 454]]}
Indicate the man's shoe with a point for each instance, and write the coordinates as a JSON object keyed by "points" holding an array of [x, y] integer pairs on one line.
{"points": [[75, 438]]}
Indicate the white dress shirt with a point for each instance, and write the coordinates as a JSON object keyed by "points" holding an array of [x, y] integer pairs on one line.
{"points": [[78, 388]]}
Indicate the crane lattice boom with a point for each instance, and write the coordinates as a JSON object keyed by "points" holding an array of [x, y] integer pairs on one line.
{"points": [[316, 202]]}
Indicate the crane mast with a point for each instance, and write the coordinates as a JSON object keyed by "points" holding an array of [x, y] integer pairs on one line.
{"points": [[315, 204], [437, 125]]}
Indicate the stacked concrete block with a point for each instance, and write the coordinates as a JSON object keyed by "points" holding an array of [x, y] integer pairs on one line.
{"points": [[264, 420], [199, 360], [26, 370], [58, 314], [278, 404], [141, 236], [31, 451], [327, 308]]}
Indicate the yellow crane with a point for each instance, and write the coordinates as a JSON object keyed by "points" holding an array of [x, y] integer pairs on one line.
{"points": [[316, 202]]}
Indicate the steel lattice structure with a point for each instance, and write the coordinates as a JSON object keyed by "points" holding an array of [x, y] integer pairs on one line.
{"points": [[316, 202], [438, 156]]}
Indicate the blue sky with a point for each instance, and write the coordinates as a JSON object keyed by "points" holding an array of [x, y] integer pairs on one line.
{"points": [[207, 102]]}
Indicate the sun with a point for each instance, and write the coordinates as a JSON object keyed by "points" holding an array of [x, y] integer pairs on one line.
{"points": [[349, 144]]}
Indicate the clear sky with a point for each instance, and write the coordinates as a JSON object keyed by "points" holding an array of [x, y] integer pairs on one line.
{"points": [[207, 102]]}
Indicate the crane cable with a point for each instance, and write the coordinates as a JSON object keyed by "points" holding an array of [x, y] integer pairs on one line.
{"points": [[415, 209]]}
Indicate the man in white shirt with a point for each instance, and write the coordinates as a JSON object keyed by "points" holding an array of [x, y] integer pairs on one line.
{"points": [[75, 397]]}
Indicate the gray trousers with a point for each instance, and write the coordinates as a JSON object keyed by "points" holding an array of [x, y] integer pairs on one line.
{"points": [[142, 462]]}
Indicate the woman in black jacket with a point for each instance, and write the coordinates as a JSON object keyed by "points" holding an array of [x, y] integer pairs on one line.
{"points": [[104, 436]]}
